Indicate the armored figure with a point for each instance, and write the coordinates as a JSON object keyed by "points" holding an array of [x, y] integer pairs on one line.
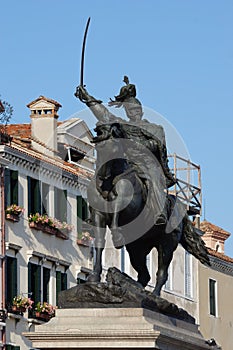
{"points": [[146, 147]]}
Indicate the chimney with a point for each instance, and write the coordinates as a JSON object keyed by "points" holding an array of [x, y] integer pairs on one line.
{"points": [[44, 124], [214, 236]]}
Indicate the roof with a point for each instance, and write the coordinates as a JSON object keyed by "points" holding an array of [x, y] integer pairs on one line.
{"points": [[21, 134], [207, 226], [20, 130], [220, 255], [40, 98]]}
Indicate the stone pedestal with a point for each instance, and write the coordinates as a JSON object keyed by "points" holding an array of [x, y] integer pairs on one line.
{"points": [[116, 327]]}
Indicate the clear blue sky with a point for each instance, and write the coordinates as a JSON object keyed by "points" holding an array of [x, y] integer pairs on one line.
{"points": [[179, 53]]}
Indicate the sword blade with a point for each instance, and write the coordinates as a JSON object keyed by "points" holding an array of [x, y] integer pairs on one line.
{"points": [[83, 52]]}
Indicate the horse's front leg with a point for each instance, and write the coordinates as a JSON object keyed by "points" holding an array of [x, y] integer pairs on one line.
{"points": [[116, 231], [99, 243]]}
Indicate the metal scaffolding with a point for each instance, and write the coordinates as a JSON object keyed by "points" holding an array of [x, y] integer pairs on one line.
{"points": [[188, 186]]}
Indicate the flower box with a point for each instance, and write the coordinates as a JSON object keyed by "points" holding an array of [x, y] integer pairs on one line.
{"points": [[83, 242], [64, 234], [18, 310], [43, 227], [85, 239], [13, 212], [44, 316], [13, 217], [49, 225], [44, 311]]}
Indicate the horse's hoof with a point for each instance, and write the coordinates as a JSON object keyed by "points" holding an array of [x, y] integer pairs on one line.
{"points": [[94, 277]]}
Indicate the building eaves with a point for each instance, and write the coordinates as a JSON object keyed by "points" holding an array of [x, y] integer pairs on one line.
{"points": [[57, 104], [221, 262]]}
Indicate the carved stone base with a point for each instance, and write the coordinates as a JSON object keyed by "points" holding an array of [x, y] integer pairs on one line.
{"points": [[117, 314], [113, 327]]}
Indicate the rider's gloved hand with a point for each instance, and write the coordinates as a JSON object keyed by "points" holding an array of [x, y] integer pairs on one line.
{"points": [[81, 93]]}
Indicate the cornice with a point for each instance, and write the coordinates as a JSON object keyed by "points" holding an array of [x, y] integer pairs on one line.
{"points": [[40, 167], [221, 265]]}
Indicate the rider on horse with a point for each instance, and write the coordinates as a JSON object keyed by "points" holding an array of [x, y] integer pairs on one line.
{"points": [[146, 147]]}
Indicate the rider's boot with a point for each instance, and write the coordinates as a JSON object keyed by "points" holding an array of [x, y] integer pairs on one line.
{"points": [[163, 217], [117, 238]]}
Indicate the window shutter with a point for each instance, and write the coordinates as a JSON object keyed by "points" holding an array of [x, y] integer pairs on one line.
{"points": [[58, 284], [46, 279], [64, 281], [11, 279], [29, 197], [188, 275], [7, 188], [14, 187], [79, 214]]}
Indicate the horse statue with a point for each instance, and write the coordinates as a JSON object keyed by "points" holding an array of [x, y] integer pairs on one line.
{"points": [[126, 203]]}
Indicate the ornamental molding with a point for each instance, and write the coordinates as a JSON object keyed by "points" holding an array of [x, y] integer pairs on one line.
{"points": [[221, 265], [39, 168]]}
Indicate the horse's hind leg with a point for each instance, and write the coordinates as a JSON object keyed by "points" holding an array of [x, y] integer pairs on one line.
{"points": [[164, 259], [138, 261]]}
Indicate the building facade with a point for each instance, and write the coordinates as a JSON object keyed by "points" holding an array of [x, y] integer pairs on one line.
{"points": [[45, 171], [216, 289]]}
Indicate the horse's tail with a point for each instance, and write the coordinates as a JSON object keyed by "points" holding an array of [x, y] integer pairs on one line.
{"points": [[192, 242]]}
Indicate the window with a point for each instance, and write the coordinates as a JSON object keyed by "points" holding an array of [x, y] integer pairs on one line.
{"points": [[188, 275], [46, 279], [60, 203], [38, 196], [34, 282], [213, 297], [82, 212], [61, 282], [11, 187], [12, 347], [11, 279], [38, 283]]}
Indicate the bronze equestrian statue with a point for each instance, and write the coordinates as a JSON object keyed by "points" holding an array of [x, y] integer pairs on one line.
{"points": [[129, 192]]}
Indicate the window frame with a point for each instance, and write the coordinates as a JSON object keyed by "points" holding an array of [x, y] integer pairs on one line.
{"points": [[213, 297]]}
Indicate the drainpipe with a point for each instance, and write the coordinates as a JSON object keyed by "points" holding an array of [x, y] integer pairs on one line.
{"points": [[3, 164]]}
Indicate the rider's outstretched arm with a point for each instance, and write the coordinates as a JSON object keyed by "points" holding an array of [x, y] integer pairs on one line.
{"points": [[96, 106]]}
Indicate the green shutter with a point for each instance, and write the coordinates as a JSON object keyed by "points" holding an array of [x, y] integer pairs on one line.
{"points": [[11, 279], [58, 284], [79, 214], [29, 196], [60, 201], [84, 209], [46, 279], [36, 196], [7, 188], [34, 282], [64, 281], [14, 187]]}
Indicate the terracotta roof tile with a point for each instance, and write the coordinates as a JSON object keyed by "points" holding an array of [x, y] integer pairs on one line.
{"points": [[22, 142], [207, 226], [220, 255], [19, 130]]}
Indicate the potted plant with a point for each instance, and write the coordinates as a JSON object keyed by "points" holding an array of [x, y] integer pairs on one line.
{"points": [[85, 239], [63, 229], [42, 222], [44, 311], [49, 225], [20, 304], [13, 212]]}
